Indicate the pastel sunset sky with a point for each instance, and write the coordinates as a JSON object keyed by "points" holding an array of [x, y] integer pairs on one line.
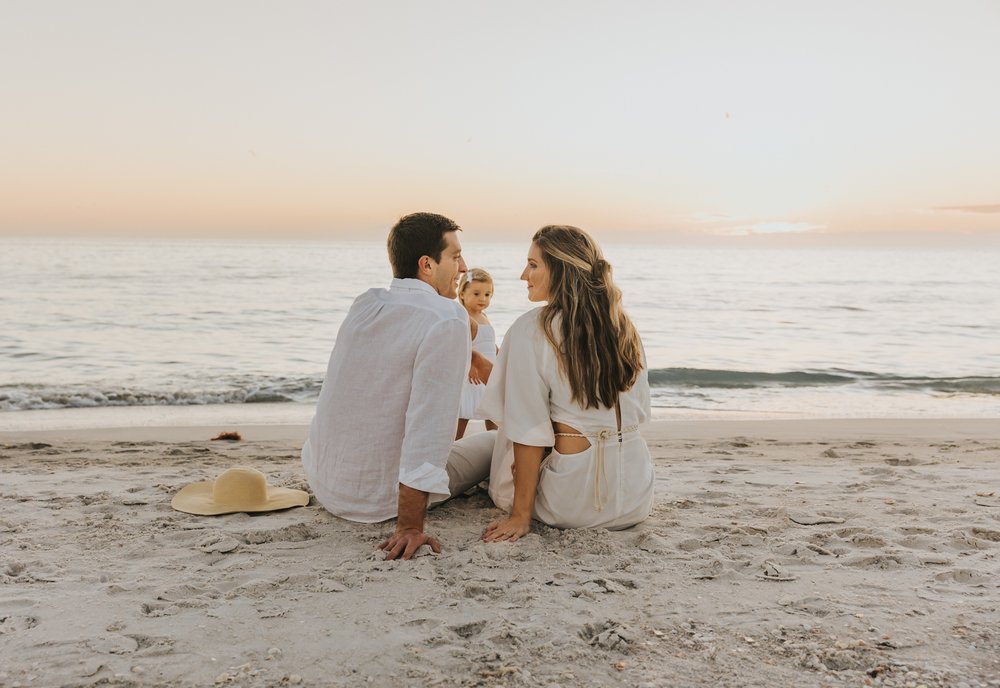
{"points": [[651, 119]]}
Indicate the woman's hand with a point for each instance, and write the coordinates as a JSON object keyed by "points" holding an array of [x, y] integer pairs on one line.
{"points": [[527, 460], [508, 528]]}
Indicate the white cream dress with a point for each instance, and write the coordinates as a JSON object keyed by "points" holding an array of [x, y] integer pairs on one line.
{"points": [[610, 484], [486, 344]]}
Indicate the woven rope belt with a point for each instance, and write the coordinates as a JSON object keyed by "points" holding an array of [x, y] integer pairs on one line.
{"points": [[599, 475]]}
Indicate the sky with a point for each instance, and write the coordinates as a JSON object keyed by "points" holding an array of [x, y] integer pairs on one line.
{"points": [[650, 120]]}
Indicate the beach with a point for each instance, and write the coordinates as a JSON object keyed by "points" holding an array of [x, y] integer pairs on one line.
{"points": [[767, 231], [779, 553]]}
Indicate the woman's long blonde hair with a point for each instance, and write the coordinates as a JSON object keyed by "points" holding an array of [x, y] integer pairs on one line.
{"points": [[599, 349]]}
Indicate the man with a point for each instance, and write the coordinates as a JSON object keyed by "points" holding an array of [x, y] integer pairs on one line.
{"points": [[378, 447]]}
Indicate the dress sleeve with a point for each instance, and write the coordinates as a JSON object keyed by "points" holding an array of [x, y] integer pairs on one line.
{"points": [[440, 367], [517, 395], [645, 402]]}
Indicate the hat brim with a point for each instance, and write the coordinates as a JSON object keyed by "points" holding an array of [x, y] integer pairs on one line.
{"points": [[198, 499]]}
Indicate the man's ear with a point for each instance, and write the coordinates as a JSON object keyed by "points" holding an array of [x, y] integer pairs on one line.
{"points": [[424, 264]]}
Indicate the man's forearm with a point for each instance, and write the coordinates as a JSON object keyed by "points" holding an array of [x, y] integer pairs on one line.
{"points": [[411, 509], [410, 535]]}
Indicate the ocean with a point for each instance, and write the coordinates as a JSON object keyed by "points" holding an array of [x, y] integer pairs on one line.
{"points": [[729, 333]]}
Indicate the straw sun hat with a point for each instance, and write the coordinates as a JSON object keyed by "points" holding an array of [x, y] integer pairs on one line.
{"points": [[237, 489]]}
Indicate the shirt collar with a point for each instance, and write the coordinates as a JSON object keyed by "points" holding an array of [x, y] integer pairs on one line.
{"points": [[411, 284]]}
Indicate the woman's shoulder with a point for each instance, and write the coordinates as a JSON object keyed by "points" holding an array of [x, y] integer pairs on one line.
{"points": [[527, 323], [526, 338]]}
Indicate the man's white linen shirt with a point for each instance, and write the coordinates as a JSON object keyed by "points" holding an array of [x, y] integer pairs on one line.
{"points": [[388, 408]]}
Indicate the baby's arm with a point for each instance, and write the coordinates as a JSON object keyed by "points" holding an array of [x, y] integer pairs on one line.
{"points": [[479, 372]]}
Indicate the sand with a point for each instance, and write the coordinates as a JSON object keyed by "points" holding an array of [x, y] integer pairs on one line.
{"points": [[779, 553]]}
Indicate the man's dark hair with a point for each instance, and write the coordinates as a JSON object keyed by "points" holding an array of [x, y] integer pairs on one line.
{"points": [[414, 236]]}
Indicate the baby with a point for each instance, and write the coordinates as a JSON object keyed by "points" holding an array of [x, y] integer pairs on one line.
{"points": [[475, 292]]}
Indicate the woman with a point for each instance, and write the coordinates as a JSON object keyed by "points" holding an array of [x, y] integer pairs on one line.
{"points": [[570, 376]]}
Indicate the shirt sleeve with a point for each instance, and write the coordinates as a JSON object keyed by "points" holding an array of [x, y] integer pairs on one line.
{"points": [[517, 395], [440, 367]]}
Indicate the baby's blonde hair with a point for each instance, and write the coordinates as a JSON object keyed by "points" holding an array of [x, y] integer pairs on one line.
{"points": [[473, 275]]}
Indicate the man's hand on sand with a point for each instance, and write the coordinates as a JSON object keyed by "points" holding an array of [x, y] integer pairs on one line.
{"points": [[404, 544]]}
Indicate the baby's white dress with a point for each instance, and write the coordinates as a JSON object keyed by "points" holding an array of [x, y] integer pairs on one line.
{"points": [[609, 486], [486, 344]]}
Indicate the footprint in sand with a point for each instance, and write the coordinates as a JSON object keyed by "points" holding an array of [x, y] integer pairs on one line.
{"points": [[562, 578], [134, 500], [876, 470], [965, 577], [879, 561], [468, 630], [14, 569], [813, 606], [710, 570], [986, 534], [905, 461], [773, 571], [492, 592], [257, 589], [188, 595], [716, 499], [271, 612], [12, 624], [156, 609], [152, 646], [112, 645], [935, 560], [298, 532], [328, 585], [918, 542], [963, 541], [867, 539], [691, 544], [802, 551], [609, 635], [603, 586], [218, 542], [28, 572], [651, 543]]}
